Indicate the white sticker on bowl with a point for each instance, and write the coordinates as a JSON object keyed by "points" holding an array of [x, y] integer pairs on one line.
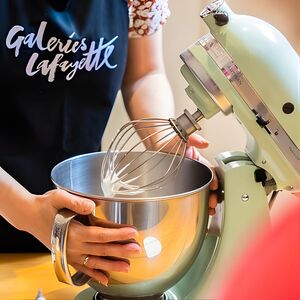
{"points": [[152, 246]]}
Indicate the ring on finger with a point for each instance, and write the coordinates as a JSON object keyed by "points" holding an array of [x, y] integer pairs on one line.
{"points": [[86, 259]]}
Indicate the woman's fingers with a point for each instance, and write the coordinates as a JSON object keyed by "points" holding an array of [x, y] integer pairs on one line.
{"points": [[214, 184], [198, 141], [99, 241], [109, 249], [98, 267], [211, 211], [213, 200], [95, 234], [104, 264], [62, 199], [98, 275], [106, 235]]}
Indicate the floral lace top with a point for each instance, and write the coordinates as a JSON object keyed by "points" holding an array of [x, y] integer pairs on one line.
{"points": [[146, 16]]}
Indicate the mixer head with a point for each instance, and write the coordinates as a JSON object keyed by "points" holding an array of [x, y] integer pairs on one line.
{"points": [[247, 67]]}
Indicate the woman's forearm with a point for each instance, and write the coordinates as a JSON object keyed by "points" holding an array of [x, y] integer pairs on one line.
{"points": [[150, 96], [15, 202], [146, 90]]}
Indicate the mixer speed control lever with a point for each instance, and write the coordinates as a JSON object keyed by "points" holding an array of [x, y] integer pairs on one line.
{"points": [[261, 121], [260, 176]]}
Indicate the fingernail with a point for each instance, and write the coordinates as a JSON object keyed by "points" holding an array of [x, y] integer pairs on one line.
{"points": [[104, 283], [134, 247], [214, 185], [126, 269], [133, 232], [92, 205], [211, 211], [203, 140]]}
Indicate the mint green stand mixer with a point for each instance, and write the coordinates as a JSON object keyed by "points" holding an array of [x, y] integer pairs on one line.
{"points": [[246, 67]]}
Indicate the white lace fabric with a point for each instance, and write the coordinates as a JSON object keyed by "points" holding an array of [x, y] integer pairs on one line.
{"points": [[146, 16]]}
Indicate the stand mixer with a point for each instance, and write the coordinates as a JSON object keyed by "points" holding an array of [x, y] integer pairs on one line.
{"points": [[246, 67]]}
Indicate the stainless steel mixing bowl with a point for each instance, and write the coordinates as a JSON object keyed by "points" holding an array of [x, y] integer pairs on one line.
{"points": [[171, 221]]}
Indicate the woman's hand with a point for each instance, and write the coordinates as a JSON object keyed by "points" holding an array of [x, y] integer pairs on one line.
{"points": [[86, 245], [196, 142], [100, 249]]}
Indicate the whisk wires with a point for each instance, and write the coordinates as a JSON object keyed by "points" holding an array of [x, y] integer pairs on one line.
{"points": [[128, 174]]}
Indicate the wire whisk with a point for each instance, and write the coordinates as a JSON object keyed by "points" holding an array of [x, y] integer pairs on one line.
{"points": [[126, 172]]}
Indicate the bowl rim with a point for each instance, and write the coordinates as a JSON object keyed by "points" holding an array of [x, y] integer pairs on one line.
{"points": [[128, 198]]}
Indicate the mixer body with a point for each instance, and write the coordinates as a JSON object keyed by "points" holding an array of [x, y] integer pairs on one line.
{"points": [[246, 66]]}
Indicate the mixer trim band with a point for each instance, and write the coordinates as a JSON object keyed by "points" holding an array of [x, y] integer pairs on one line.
{"points": [[207, 82], [212, 7], [264, 116]]}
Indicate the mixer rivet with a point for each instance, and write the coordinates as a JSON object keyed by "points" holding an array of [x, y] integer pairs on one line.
{"points": [[245, 197], [264, 161], [288, 108]]}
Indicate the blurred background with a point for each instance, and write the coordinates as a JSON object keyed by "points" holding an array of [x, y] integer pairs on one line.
{"points": [[182, 29]]}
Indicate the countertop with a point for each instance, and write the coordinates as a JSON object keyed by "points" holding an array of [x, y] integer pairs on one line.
{"points": [[22, 275]]}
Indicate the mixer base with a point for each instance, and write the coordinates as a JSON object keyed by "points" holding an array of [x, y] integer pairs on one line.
{"points": [[100, 296]]}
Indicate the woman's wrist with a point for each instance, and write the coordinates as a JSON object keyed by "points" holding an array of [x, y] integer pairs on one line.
{"points": [[29, 222], [40, 218]]}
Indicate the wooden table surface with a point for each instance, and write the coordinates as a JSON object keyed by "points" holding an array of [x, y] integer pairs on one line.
{"points": [[22, 275]]}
